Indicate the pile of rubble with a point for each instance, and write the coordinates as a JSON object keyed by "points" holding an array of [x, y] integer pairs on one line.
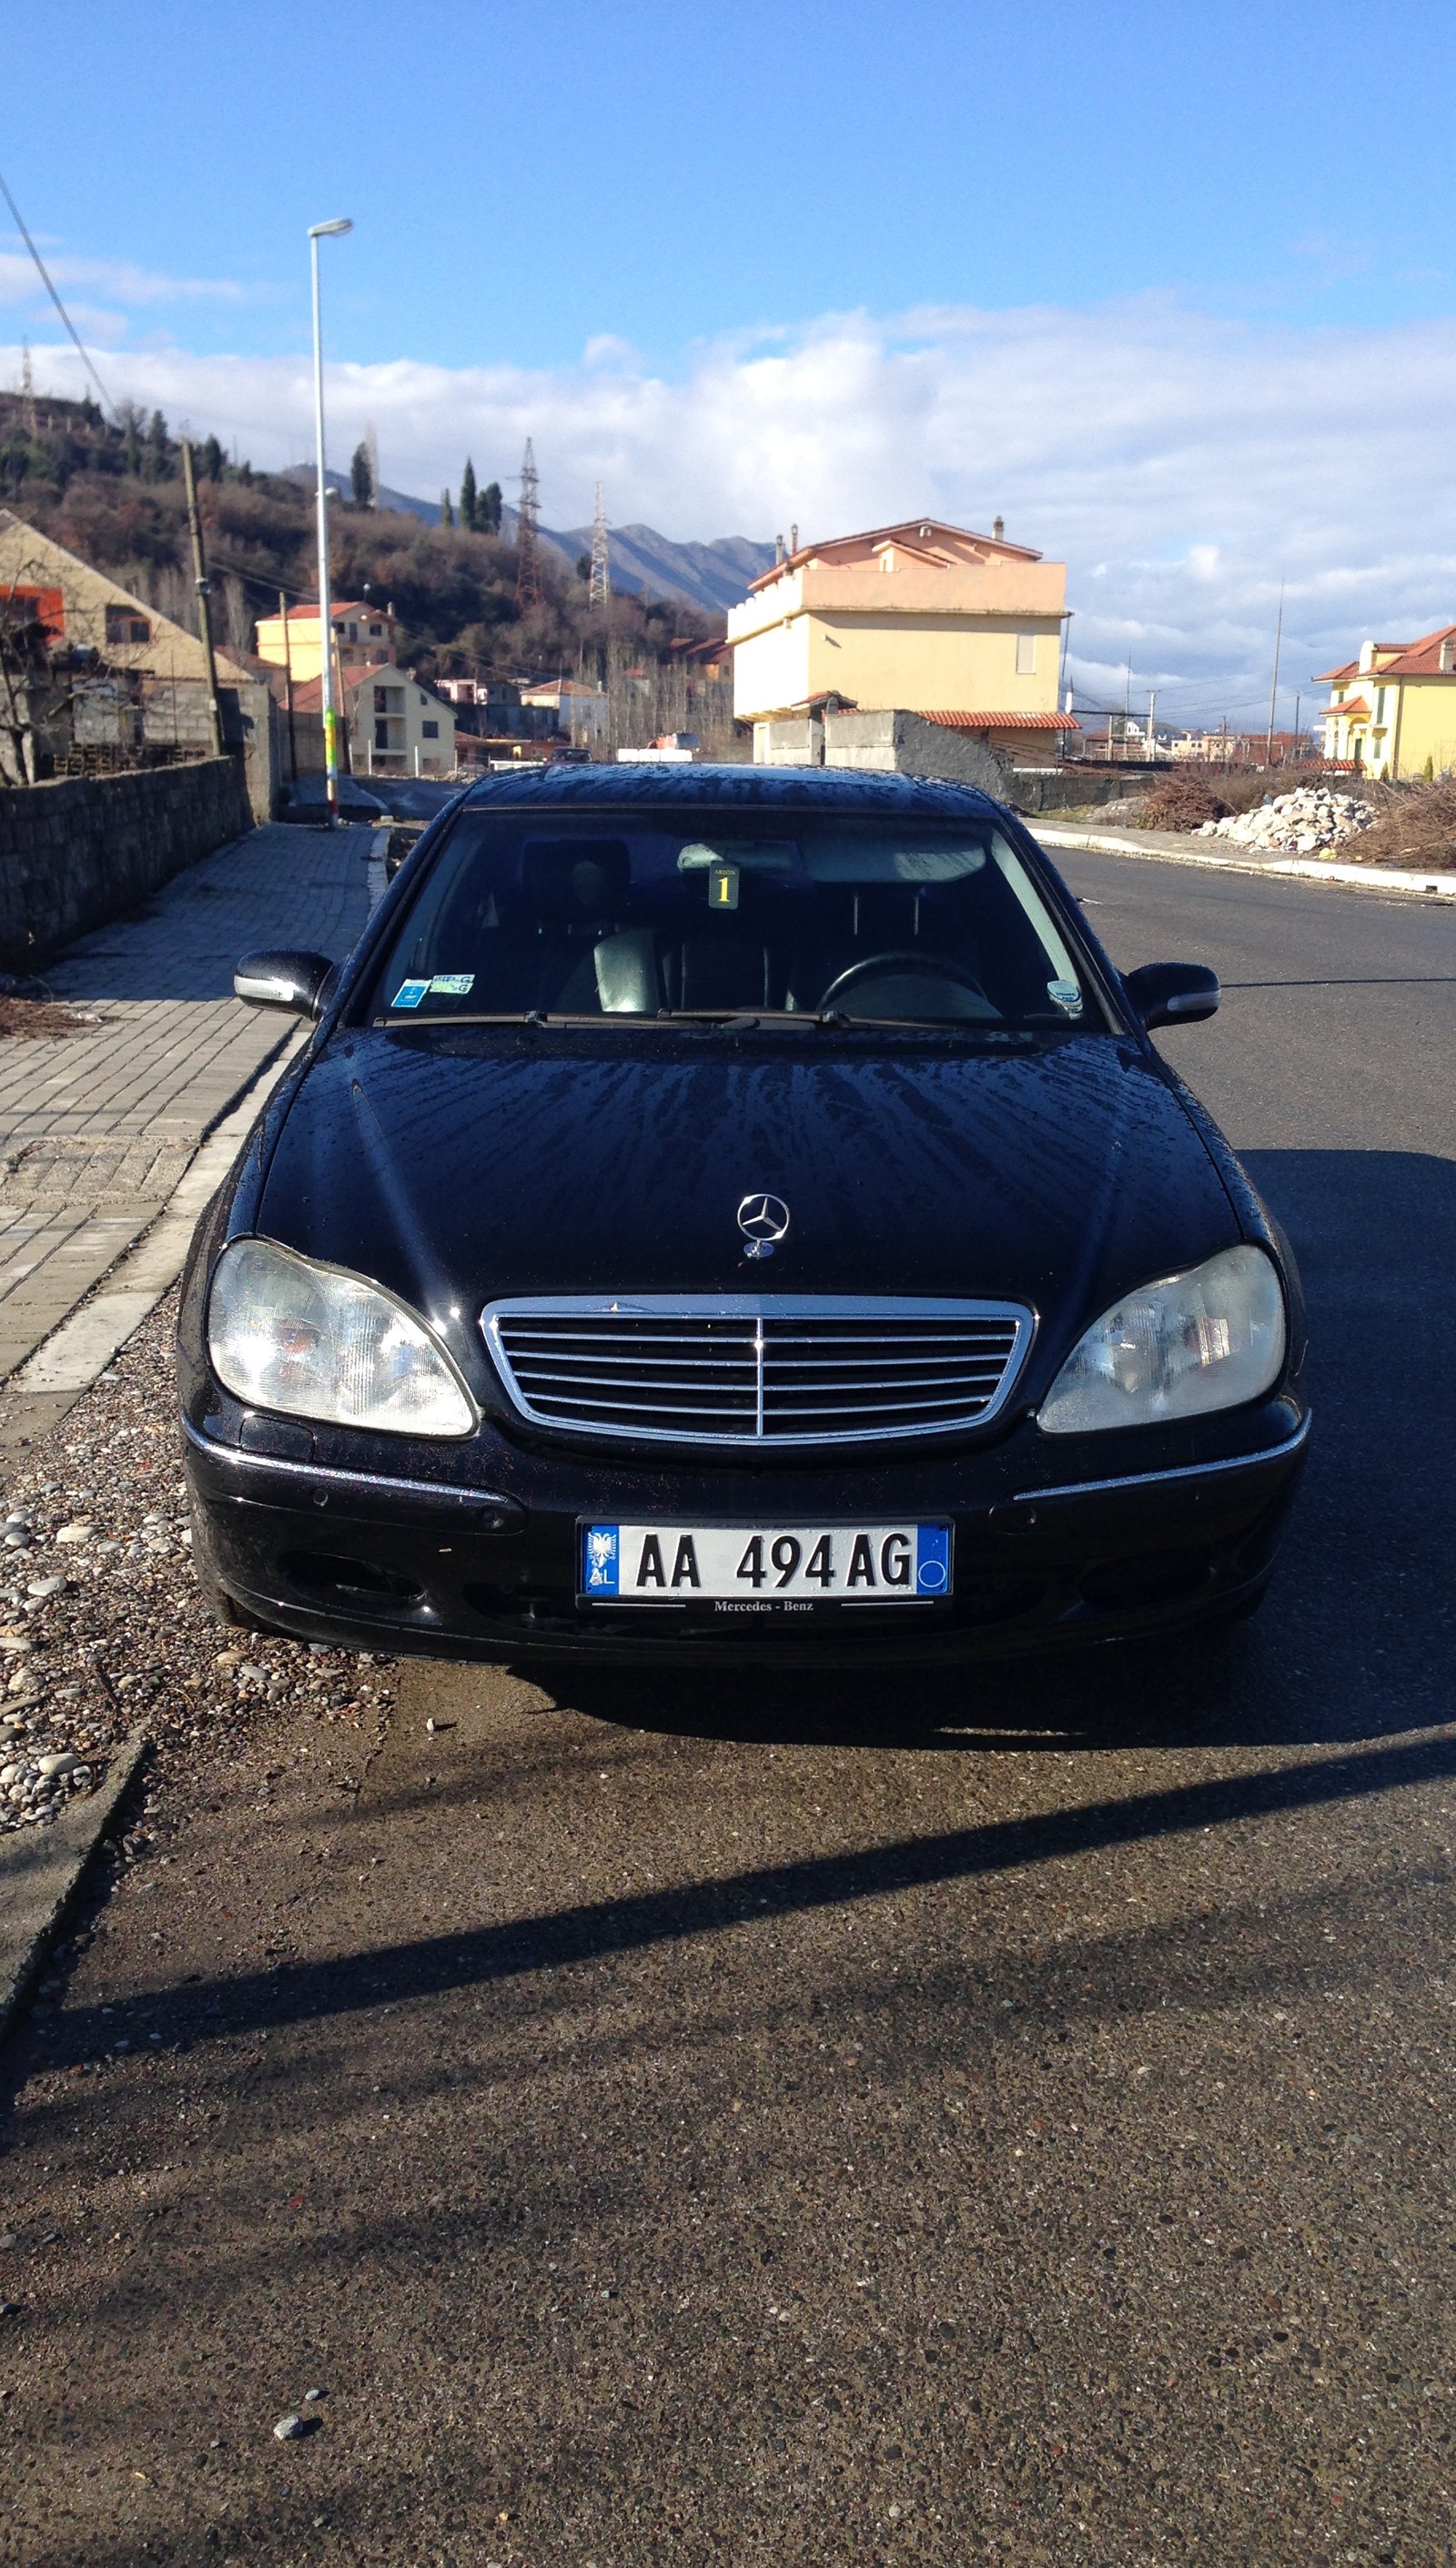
{"points": [[1300, 824]]}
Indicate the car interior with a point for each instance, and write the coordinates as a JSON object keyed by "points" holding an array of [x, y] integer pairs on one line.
{"points": [[573, 926]]}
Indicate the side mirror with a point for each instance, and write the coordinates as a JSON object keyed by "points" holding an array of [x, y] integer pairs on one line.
{"points": [[1173, 994], [296, 982]]}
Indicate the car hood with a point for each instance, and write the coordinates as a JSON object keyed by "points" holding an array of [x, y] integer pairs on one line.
{"points": [[459, 1169]]}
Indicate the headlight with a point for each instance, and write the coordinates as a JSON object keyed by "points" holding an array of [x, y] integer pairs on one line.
{"points": [[285, 1334], [1176, 1348]]}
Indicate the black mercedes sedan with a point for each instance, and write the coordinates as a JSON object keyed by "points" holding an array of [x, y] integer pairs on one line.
{"points": [[728, 1213]]}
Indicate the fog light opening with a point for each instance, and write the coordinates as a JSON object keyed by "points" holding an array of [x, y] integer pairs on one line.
{"points": [[1162, 1579], [365, 1586]]}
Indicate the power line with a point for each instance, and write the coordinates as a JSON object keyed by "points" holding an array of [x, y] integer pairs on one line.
{"points": [[54, 297]]}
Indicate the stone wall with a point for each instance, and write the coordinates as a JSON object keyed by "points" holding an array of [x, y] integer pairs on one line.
{"points": [[85, 849]]}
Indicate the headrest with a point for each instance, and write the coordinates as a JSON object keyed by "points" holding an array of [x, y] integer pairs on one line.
{"points": [[575, 880]]}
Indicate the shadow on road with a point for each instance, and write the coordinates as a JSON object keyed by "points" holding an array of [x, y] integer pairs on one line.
{"points": [[432, 1964]]}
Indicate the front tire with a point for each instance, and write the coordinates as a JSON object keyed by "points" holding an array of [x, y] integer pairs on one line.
{"points": [[221, 1604]]}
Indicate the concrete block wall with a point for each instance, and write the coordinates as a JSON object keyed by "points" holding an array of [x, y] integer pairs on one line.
{"points": [[797, 740], [1068, 789], [252, 724], [887, 744], [85, 849], [905, 744]]}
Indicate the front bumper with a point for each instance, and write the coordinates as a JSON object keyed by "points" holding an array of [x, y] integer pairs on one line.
{"points": [[1058, 1543]]}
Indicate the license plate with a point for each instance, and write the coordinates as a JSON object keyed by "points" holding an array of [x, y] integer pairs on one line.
{"points": [[764, 1568]]}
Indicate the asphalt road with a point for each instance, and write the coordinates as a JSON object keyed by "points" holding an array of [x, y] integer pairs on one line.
{"points": [[1002, 2120]]}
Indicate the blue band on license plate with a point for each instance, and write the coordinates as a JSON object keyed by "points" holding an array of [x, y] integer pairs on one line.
{"points": [[881, 1564]]}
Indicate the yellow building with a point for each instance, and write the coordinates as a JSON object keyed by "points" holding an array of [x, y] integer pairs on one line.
{"points": [[923, 616], [362, 633], [1394, 710]]}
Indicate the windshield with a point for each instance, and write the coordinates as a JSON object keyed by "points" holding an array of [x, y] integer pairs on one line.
{"points": [[853, 921]]}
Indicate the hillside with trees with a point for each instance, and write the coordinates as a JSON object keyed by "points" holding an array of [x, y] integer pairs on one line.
{"points": [[111, 491]]}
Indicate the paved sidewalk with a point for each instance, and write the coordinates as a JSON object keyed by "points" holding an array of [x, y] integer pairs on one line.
{"points": [[96, 1129]]}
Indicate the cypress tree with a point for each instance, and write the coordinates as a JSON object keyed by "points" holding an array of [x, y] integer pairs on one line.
{"points": [[467, 496]]}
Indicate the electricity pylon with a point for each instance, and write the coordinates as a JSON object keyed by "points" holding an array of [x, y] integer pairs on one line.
{"points": [[527, 560], [600, 589]]}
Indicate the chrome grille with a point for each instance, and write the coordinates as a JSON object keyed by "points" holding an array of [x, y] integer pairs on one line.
{"points": [[767, 1369]]}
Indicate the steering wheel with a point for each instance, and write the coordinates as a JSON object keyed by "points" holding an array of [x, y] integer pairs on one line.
{"points": [[924, 967]]}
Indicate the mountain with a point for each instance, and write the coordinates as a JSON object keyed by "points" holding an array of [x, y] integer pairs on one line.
{"points": [[643, 563], [714, 576]]}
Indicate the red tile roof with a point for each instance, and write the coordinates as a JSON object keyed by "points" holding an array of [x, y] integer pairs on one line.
{"points": [[309, 610], [1355, 707], [308, 691], [906, 533], [1005, 721], [1420, 659]]}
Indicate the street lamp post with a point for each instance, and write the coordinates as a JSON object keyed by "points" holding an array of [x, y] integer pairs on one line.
{"points": [[316, 233]]}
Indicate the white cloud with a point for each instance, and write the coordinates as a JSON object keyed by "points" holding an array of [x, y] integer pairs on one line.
{"points": [[113, 278], [1183, 466]]}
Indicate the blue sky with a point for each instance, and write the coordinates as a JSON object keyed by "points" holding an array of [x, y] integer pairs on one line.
{"points": [[524, 180], [1148, 279]]}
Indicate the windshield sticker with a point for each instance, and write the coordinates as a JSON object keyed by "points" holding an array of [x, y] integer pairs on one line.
{"points": [[453, 985], [410, 994], [1067, 995], [723, 887]]}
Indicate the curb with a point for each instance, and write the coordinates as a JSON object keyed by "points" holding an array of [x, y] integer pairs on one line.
{"points": [[1102, 843], [41, 1873]]}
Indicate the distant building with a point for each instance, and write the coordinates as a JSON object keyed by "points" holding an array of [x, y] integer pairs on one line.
{"points": [[709, 660], [86, 610], [579, 711], [126, 686], [1394, 710], [362, 633], [1242, 747], [928, 617], [396, 726]]}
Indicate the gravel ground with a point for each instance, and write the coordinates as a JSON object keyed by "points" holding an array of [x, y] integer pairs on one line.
{"points": [[105, 1630]]}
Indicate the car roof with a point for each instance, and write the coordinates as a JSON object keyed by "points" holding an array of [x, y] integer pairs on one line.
{"points": [[561, 788]]}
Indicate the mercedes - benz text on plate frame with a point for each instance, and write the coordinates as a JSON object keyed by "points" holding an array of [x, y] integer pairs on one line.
{"points": [[760, 1568], [763, 1221]]}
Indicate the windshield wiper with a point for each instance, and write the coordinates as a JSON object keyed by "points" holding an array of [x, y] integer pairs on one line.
{"points": [[731, 1020]]}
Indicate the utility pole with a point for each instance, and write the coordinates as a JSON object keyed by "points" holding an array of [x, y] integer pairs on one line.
{"points": [[204, 610], [288, 689], [316, 233], [528, 519], [1299, 700], [600, 586], [1273, 689]]}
